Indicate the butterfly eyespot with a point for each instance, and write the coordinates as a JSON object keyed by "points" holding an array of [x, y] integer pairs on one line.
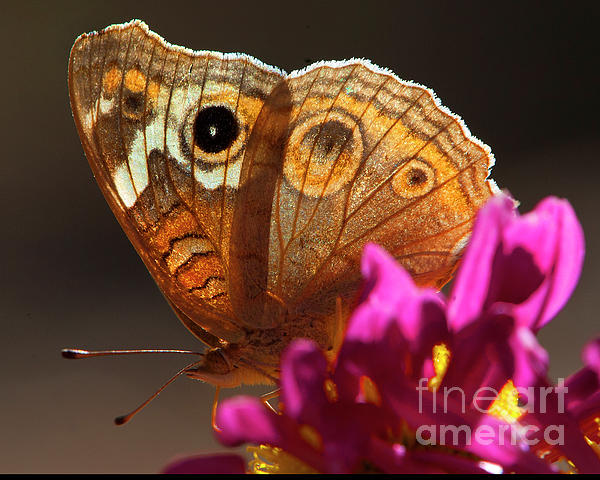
{"points": [[215, 129], [134, 89], [133, 105], [328, 145], [414, 179], [210, 137]]}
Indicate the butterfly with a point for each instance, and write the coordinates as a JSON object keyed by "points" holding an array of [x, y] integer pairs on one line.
{"points": [[249, 192]]}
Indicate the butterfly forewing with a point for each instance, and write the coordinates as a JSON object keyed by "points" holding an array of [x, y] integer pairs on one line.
{"points": [[135, 101]]}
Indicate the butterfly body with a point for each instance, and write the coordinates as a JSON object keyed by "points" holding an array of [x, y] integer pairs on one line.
{"points": [[249, 193]]}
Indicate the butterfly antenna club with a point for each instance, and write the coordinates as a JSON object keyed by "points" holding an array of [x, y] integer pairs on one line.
{"points": [[122, 419]]}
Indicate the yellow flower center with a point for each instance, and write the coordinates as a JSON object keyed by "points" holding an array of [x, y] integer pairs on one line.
{"points": [[506, 406], [267, 459], [441, 360]]}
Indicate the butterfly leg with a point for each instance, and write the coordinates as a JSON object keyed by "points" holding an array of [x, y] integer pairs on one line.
{"points": [[339, 325], [214, 410], [338, 310], [268, 396]]}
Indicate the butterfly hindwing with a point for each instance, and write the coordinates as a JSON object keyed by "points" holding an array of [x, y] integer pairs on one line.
{"points": [[370, 158]]}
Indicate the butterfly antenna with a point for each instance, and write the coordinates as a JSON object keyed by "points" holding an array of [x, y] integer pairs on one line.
{"points": [[121, 420], [75, 353]]}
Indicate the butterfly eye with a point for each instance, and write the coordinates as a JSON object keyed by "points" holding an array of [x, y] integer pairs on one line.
{"points": [[414, 179], [215, 129]]}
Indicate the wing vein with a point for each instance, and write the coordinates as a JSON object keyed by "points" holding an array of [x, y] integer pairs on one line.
{"points": [[144, 119], [395, 214], [168, 109], [283, 252], [305, 174], [400, 167], [360, 169], [368, 104], [224, 193], [193, 159], [120, 115]]}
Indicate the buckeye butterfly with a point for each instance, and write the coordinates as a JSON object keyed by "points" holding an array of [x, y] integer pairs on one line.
{"points": [[249, 193]]}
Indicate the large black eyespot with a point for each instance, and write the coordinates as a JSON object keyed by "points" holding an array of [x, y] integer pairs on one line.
{"points": [[215, 129]]}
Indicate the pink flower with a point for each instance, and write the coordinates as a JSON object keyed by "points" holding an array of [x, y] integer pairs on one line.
{"points": [[574, 404], [382, 405], [524, 266]]}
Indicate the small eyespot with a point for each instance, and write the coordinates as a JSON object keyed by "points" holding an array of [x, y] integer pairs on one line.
{"points": [[414, 179], [215, 129], [137, 95], [133, 104]]}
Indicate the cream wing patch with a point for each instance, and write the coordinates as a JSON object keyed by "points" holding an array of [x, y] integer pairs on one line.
{"points": [[184, 249], [138, 164], [213, 179], [132, 179], [124, 185]]}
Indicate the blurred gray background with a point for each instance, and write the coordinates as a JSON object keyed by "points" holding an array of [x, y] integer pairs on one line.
{"points": [[521, 74]]}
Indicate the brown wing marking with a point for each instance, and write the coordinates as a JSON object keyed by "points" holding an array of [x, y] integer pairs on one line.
{"points": [[249, 254]]}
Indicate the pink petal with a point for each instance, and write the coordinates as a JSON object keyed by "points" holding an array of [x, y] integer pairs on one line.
{"points": [[586, 382], [531, 359], [396, 321], [591, 355], [586, 413], [393, 294], [471, 286], [303, 373], [503, 450], [523, 266], [561, 262], [579, 386], [575, 448], [246, 419]]}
